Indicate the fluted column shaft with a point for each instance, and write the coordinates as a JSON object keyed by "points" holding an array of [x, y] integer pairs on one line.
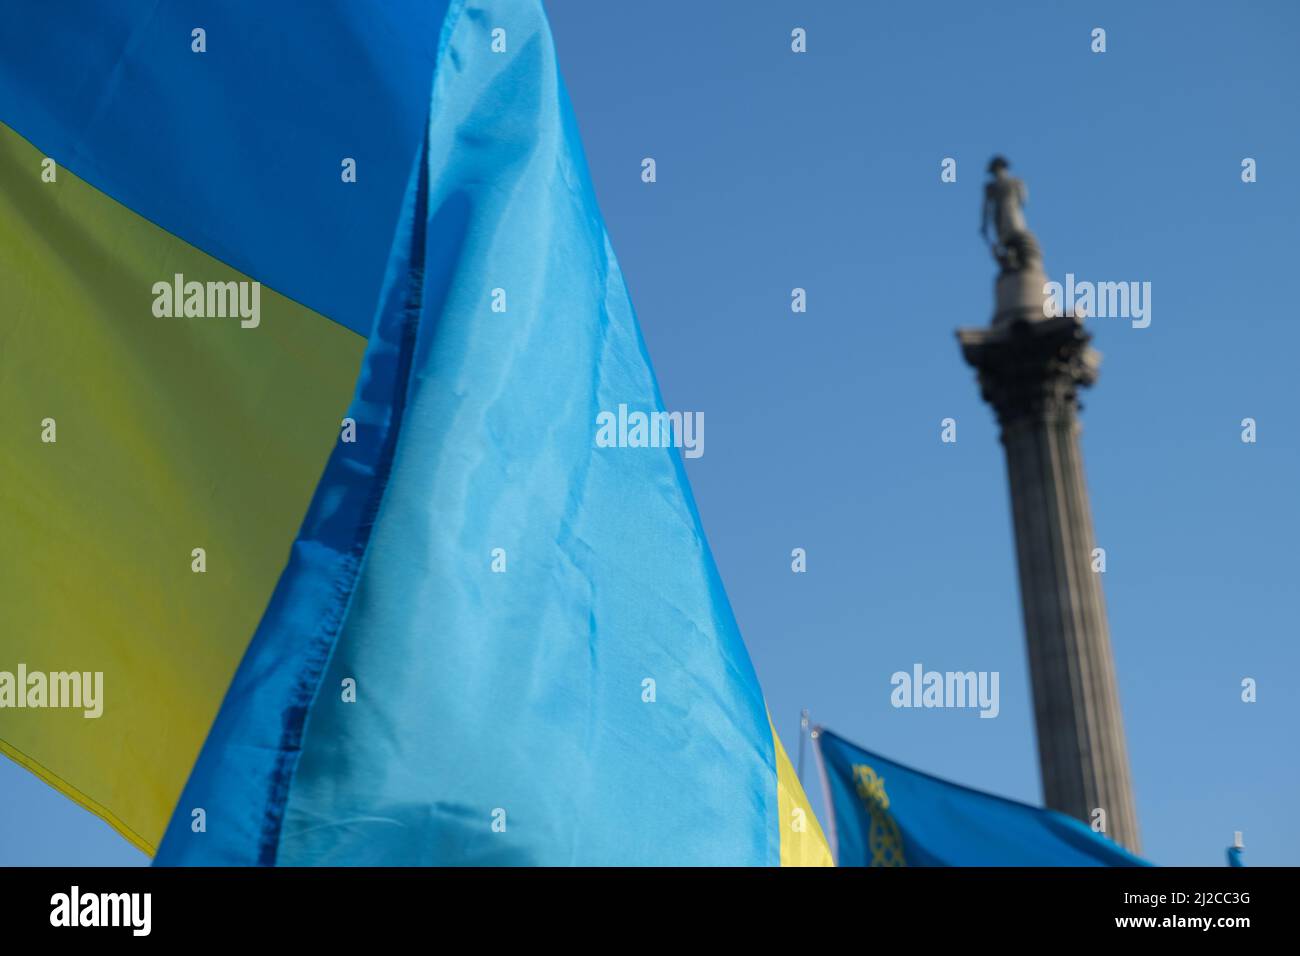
{"points": [[1030, 372]]}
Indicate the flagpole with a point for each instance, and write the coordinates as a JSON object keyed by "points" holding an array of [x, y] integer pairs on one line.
{"points": [[1236, 850], [832, 836], [803, 733]]}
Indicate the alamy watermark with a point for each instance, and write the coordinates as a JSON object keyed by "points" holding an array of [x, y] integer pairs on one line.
{"points": [[209, 300], [74, 690], [130, 910], [1106, 300], [624, 429], [922, 688]]}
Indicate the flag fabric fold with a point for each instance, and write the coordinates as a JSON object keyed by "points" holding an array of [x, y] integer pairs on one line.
{"points": [[497, 642]]}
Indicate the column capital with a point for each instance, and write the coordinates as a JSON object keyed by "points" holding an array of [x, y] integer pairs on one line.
{"points": [[1032, 370]]}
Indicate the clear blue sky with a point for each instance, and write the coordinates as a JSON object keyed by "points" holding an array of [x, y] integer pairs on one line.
{"points": [[777, 170]]}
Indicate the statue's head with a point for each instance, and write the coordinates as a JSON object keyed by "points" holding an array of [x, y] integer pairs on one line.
{"points": [[998, 163]]}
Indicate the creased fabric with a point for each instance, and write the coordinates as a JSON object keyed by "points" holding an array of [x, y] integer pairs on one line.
{"points": [[500, 716]]}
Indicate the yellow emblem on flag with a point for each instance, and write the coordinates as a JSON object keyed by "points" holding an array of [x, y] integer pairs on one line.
{"points": [[884, 840]]}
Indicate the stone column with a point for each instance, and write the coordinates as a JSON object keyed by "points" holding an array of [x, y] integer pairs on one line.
{"points": [[1030, 369]]}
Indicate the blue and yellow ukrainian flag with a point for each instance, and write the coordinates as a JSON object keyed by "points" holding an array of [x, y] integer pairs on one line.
{"points": [[468, 636], [885, 814]]}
